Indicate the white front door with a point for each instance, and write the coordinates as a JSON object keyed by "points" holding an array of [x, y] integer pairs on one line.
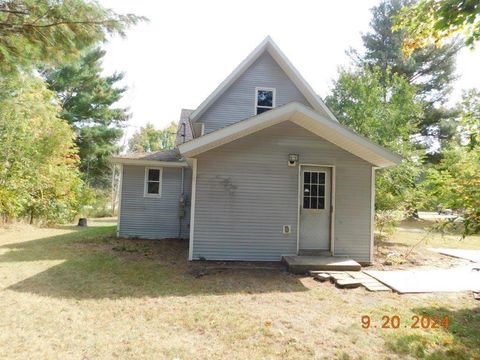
{"points": [[315, 206]]}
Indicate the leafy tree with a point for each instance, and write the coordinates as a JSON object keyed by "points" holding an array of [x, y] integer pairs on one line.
{"points": [[53, 31], [38, 160], [384, 109], [431, 22], [470, 118], [87, 99], [430, 69], [148, 139], [455, 181]]}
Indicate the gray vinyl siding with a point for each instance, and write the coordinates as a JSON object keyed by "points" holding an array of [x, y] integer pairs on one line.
{"points": [[151, 217], [238, 101], [246, 192]]}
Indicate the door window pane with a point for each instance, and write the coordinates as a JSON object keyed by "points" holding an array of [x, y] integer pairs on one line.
{"points": [[306, 202], [321, 190], [306, 177], [321, 203], [321, 178]]}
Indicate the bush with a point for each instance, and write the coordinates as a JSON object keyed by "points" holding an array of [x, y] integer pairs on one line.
{"points": [[386, 221], [99, 204]]}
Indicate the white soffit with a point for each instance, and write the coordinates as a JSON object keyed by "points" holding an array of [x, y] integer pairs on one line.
{"points": [[267, 45], [302, 116]]}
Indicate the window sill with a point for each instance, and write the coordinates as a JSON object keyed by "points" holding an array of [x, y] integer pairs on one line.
{"points": [[152, 196]]}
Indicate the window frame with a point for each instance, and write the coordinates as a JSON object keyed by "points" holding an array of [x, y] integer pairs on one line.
{"points": [[274, 95], [146, 181], [325, 196]]}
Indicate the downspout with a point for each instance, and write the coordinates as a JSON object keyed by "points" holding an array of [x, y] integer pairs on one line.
{"points": [[181, 205]]}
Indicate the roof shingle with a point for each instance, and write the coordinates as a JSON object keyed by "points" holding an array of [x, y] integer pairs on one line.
{"points": [[164, 155]]}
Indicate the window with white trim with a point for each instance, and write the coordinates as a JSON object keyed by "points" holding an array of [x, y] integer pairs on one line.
{"points": [[264, 99], [153, 182]]}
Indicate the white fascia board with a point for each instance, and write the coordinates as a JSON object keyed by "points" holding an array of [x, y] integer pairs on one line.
{"points": [[298, 79], [303, 116], [266, 45], [225, 84], [139, 162], [345, 138], [236, 131]]}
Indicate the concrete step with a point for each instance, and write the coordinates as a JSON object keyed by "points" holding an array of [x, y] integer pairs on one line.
{"points": [[303, 264]]}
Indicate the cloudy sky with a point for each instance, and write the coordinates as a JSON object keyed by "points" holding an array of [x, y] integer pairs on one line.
{"points": [[188, 47]]}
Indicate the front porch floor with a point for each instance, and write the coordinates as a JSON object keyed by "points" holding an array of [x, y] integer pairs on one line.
{"points": [[304, 264]]}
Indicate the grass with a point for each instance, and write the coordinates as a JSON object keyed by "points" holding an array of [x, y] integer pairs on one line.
{"points": [[81, 293]]}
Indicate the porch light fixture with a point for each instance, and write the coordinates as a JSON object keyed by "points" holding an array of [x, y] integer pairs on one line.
{"points": [[292, 159]]}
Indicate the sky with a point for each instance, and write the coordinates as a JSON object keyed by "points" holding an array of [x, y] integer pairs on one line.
{"points": [[187, 48]]}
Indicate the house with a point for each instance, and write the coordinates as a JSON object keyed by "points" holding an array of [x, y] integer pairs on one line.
{"points": [[262, 169]]}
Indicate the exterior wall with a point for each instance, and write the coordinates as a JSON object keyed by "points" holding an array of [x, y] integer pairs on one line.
{"points": [[238, 101], [151, 217], [246, 192]]}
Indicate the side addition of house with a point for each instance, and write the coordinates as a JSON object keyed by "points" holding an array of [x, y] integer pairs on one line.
{"points": [[262, 169]]}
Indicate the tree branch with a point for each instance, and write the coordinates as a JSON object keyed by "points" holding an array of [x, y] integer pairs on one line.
{"points": [[63, 22], [16, 12]]}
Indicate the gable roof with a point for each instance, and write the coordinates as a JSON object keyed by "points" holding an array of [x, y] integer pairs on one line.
{"points": [[300, 115], [184, 119], [267, 45]]}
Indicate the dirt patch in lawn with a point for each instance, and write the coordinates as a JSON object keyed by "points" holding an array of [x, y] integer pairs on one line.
{"points": [[409, 247], [390, 255]]}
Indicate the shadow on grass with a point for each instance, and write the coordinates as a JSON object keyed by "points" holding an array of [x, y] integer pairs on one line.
{"points": [[97, 265], [461, 340]]}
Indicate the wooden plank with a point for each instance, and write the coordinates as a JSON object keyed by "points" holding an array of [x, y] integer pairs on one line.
{"points": [[376, 287], [336, 277], [322, 277], [356, 273], [347, 283], [315, 272]]}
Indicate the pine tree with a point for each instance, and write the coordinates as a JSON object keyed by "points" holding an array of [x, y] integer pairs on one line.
{"points": [[87, 98], [33, 32], [430, 69]]}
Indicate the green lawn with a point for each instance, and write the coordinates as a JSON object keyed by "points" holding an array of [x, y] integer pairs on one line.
{"points": [[82, 294]]}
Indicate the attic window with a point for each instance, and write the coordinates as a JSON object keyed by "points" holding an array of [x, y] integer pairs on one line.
{"points": [[264, 99]]}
